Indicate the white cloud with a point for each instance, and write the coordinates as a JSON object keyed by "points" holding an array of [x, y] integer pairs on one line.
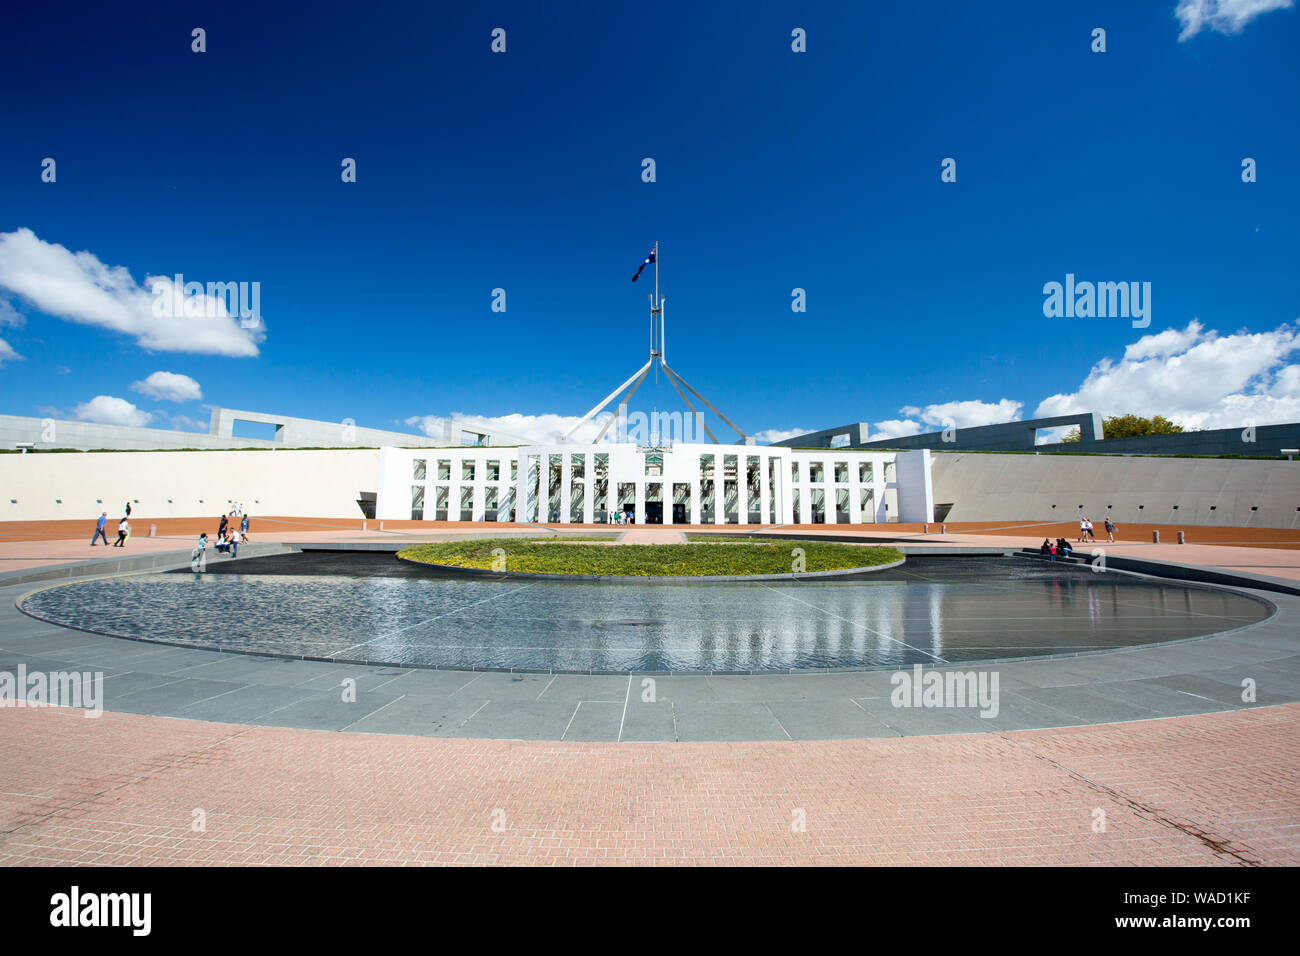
{"points": [[169, 387], [186, 424], [967, 414], [1198, 379], [773, 435], [1168, 342], [8, 314], [107, 410], [1222, 16], [893, 428], [963, 414], [79, 288], [7, 353], [542, 429]]}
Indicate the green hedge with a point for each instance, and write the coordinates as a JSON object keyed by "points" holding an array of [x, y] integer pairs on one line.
{"points": [[651, 560]]}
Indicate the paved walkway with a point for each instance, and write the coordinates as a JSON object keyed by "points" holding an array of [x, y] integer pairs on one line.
{"points": [[122, 789]]}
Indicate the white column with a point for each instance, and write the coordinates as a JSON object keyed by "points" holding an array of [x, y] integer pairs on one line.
{"points": [[588, 488], [764, 489], [566, 486], [719, 491], [521, 486], [543, 488], [639, 509], [855, 492], [742, 489], [695, 497], [878, 489]]}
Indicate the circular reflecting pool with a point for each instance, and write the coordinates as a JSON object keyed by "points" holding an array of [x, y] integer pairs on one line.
{"points": [[368, 608]]}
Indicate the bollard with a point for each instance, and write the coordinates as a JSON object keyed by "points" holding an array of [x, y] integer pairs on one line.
{"points": [[363, 524], [925, 529], [381, 526], [1182, 539], [1155, 537], [153, 531], [943, 528]]}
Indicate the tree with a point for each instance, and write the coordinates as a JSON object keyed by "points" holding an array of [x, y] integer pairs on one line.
{"points": [[1132, 426]]}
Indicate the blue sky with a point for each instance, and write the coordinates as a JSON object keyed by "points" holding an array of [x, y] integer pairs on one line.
{"points": [[775, 170]]}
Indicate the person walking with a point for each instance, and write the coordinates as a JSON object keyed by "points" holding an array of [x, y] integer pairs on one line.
{"points": [[225, 523], [99, 529], [123, 529], [1083, 528], [198, 557], [243, 529], [1110, 529]]}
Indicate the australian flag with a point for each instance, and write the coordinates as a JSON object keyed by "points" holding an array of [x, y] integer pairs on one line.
{"points": [[648, 261]]}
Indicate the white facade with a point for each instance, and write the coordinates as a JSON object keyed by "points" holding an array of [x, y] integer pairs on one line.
{"points": [[692, 484]]}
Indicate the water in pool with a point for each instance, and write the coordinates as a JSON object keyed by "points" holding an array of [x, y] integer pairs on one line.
{"points": [[358, 607]]}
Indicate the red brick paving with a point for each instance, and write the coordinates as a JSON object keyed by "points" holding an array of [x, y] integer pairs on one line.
{"points": [[1210, 790]]}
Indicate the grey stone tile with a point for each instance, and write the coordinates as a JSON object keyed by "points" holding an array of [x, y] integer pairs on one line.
{"points": [[649, 721], [1214, 694], [924, 721], [835, 719], [1087, 705], [244, 705], [117, 686], [678, 688], [364, 678], [423, 682], [498, 685], [611, 688], [520, 720], [1147, 694], [1054, 673], [595, 720], [1270, 688], [768, 687], [727, 721], [405, 715], [167, 699], [325, 710]]}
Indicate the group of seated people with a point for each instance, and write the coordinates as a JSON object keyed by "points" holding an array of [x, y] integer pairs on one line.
{"points": [[1059, 547]]}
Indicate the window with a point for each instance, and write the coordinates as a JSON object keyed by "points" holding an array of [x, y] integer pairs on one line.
{"points": [[494, 471], [444, 469], [467, 471], [417, 469], [794, 472], [816, 472], [864, 472], [417, 502], [467, 504], [841, 472]]}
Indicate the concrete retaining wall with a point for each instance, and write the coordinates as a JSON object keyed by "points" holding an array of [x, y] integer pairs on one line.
{"points": [[168, 484], [1182, 491]]}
